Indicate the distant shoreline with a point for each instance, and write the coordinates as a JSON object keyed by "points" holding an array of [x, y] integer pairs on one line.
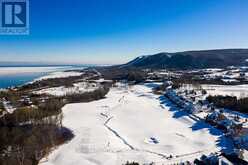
{"points": [[20, 66], [12, 76]]}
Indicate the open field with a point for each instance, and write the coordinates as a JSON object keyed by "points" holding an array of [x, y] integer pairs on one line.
{"points": [[133, 124], [240, 91]]}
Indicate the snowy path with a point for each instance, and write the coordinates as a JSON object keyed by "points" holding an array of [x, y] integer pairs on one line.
{"points": [[117, 135], [120, 127]]}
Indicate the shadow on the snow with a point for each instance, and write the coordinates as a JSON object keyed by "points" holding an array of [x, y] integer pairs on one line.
{"points": [[151, 85], [197, 124]]}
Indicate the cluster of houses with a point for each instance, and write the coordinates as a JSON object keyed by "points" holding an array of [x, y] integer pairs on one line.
{"points": [[162, 74], [26, 100], [230, 74], [213, 158], [180, 101], [234, 127], [9, 107]]}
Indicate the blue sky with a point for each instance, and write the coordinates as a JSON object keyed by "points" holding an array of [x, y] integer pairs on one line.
{"points": [[115, 31]]}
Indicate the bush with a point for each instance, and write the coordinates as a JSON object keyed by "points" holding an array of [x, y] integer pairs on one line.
{"points": [[131, 163], [204, 92], [176, 85], [136, 75], [88, 96]]}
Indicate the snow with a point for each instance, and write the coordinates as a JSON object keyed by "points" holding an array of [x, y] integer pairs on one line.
{"points": [[19, 70], [8, 107], [245, 155], [212, 69], [59, 75], [240, 91], [102, 80], [75, 89], [132, 124], [231, 115], [229, 80], [225, 74]]}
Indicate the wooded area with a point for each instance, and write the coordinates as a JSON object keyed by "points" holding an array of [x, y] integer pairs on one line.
{"points": [[230, 102]]}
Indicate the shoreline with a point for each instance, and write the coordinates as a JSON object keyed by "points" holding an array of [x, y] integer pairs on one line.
{"points": [[18, 76]]}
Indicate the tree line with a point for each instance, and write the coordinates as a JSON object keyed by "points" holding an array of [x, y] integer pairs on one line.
{"points": [[230, 102], [28, 134]]}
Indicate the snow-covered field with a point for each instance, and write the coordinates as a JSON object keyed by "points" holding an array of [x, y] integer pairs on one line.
{"points": [[132, 124], [240, 91], [77, 88], [60, 74]]}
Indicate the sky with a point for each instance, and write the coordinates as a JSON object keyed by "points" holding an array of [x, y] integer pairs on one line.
{"points": [[116, 31]]}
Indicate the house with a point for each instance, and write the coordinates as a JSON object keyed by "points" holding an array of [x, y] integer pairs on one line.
{"points": [[26, 100], [240, 138], [220, 120], [212, 117], [8, 106], [213, 158]]}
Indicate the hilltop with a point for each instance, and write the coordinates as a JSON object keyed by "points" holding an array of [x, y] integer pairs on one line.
{"points": [[218, 58]]}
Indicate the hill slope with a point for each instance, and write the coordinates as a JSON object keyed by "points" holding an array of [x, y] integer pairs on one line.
{"points": [[192, 59]]}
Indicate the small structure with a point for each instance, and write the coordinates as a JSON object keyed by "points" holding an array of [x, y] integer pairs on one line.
{"points": [[213, 158], [26, 100], [180, 101], [8, 107], [220, 120]]}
